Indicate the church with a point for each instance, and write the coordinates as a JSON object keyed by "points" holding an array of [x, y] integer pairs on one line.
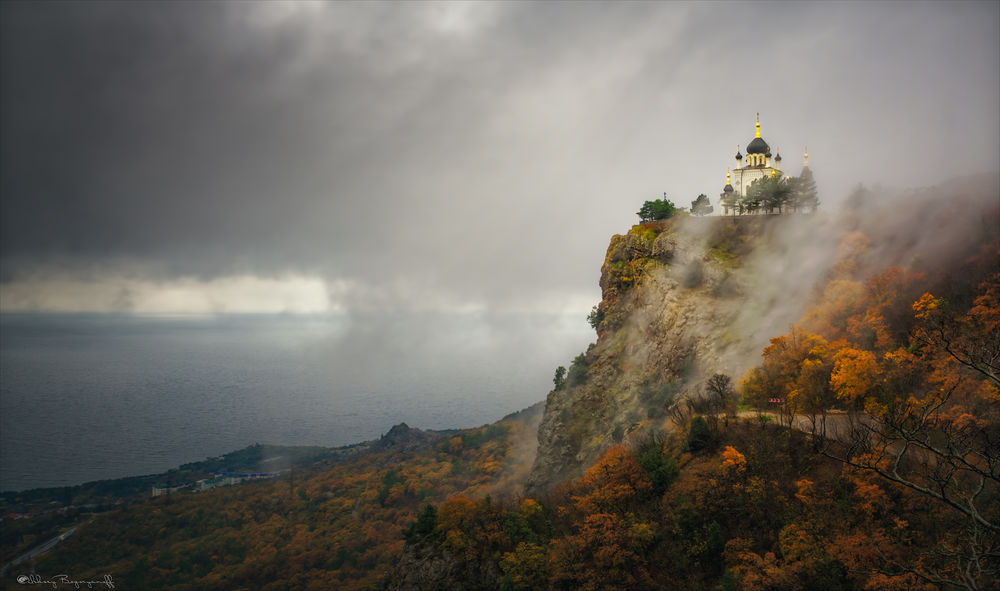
{"points": [[758, 165]]}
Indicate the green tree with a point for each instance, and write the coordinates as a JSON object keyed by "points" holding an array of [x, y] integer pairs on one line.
{"points": [[424, 529], [701, 205], [595, 317], [659, 209], [659, 468], [560, 378], [749, 204], [699, 436], [577, 370], [803, 192], [769, 193]]}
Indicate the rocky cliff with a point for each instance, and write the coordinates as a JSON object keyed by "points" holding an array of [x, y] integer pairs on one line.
{"points": [[682, 299]]}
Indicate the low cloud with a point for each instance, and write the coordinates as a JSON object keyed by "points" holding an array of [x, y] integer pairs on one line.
{"points": [[440, 155], [221, 295]]}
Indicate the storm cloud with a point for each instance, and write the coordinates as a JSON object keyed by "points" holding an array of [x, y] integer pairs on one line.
{"points": [[446, 156]]}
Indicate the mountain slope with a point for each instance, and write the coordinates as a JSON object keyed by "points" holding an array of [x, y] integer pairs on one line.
{"points": [[687, 298], [683, 299]]}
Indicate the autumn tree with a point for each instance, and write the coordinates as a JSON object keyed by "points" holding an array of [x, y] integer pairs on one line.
{"points": [[606, 548], [526, 568], [973, 340], [796, 369], [932, 426]]}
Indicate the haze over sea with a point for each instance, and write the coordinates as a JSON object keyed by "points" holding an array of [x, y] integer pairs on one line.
{"points": [[88, 397]]}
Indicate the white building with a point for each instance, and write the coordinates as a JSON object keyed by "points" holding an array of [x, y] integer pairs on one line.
{"points": [[758, 165]]}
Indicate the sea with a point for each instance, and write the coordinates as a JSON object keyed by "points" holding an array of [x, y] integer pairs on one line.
{"points": [[91, 397]]}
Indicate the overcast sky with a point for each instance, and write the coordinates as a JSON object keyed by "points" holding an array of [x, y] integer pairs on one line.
{"points": [[268, 156]]}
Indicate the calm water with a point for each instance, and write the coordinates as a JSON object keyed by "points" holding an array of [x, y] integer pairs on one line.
{"points": [[90, 397]]}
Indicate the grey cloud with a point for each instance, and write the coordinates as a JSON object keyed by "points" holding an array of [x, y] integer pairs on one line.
{"points": [[486, 162]]}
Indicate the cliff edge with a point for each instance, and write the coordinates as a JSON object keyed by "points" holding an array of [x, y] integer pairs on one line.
{"points": [[682, 299]]}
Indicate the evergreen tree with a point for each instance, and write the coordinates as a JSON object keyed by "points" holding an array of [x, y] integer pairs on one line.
{"points": [[560, 378], [804, 195], [699, 436], [701, 205], [769, 193]]}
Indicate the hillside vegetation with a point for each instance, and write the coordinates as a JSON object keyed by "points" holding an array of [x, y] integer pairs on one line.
{"points": [[335, 526], [792, 403], [891, 479]]}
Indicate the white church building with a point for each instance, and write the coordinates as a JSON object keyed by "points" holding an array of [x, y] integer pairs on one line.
{"points": [[758, 164]]}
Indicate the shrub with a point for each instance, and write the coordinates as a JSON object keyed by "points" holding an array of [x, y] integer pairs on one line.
{"points": [[659, 209], [699, 436], [660, 468], [560, 378], [595, 317], [577, 371]]}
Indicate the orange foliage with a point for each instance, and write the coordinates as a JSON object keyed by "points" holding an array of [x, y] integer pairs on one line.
{"points": [[805, 491], [733, 462], [612, 483], [603, 555], [756, 572]]}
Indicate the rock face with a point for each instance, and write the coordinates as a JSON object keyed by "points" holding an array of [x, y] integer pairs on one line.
{"points": [[681, 300], [402, 437], [422, 571]]}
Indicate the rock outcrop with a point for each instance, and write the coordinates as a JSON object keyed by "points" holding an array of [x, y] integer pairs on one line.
{"points": [[681, 300], [402, 437]]}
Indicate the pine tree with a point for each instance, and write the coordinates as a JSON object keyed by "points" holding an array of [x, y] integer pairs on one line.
{"points": [[803, 196], [701, 205]]}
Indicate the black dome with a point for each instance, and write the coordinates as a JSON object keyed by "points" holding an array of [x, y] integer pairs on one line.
{"points": [[778, 157], [758, 146], [738, 155], [728, 189]]}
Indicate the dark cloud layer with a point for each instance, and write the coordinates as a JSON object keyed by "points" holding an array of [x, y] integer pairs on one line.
{"points": [[462, 153]]}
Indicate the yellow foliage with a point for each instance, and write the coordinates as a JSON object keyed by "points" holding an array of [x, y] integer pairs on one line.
{"points": [[529, 507], [854, 373], [641, 534], [924, 307], [797, 544]]}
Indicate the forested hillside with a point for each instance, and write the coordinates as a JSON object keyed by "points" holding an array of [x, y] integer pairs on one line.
{"points": [[890, 478], [793, 403], [334, 526]]}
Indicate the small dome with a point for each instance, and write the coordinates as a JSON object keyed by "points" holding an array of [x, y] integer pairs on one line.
{"points": [[777, 158], [738, 155], [728, 189], [758, 146]]}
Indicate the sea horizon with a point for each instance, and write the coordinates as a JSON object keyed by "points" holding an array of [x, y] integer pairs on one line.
{"points": [[86, 397]]}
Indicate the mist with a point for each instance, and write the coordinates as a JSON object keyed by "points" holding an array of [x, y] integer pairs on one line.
{"points": [[929, 231]]}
